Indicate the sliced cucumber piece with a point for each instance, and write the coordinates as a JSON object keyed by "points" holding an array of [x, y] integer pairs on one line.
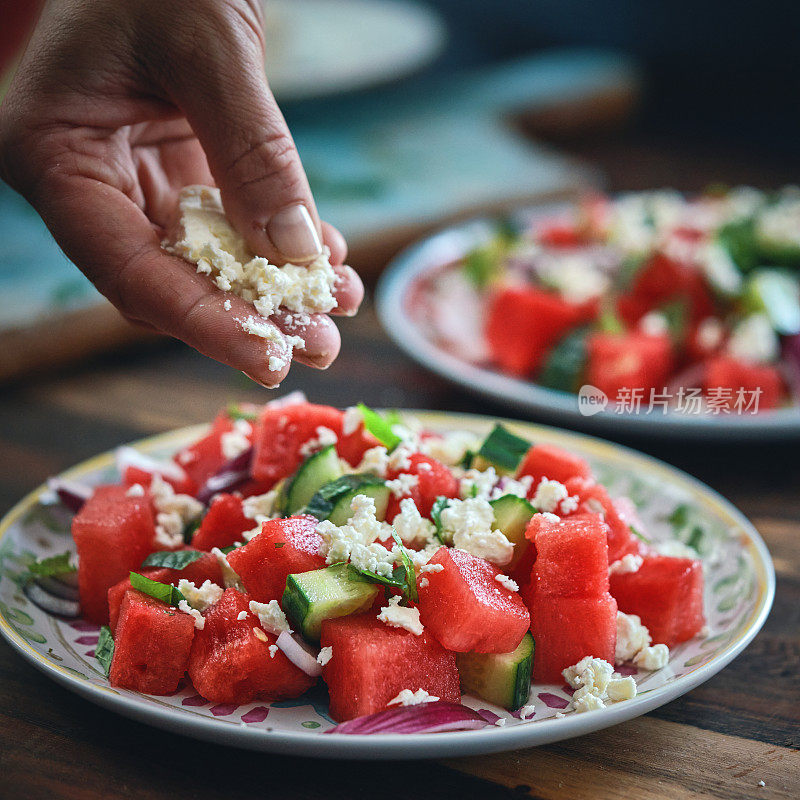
{"points": [[325, 498], [501, 678], [565, 364], [374, 488], [511, 516], [336, 591], [502, 450], [316, 471]]}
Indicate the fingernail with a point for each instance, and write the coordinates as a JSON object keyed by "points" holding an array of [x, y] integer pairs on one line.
{"points": [[260, 382], [293, 234]]}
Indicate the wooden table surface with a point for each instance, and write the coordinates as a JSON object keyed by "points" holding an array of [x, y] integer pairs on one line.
{"points": [[720, 740]]}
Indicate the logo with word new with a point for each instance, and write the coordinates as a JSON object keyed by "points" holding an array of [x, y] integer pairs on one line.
{"points": [[591, 400]]}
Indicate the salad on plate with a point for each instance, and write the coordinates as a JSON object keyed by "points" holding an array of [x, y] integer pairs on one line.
{"points": [[295, 543]]}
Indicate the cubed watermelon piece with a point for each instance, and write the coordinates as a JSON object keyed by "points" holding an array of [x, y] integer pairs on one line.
{"points": [[113, 534], [372, 663], [633, 360], [566, 629], [352, 446], [571, 556], [667, 594], [151, 645], [283, 546], [203, 458], [467, 609], [434, 480], [134, 475], [280, 434], [206, 568], [231, 662], [524, 322], [742, 387], [553, 463], [593, 499], [223, 524]]}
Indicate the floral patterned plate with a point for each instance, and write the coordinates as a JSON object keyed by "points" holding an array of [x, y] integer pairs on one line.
{"points": [[740, 584]]}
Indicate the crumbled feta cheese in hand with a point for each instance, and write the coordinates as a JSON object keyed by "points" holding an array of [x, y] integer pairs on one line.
{"points": [[549, 494], [632, 637], [205, 238], [325, 655], [509, 583], [270, 616], [402, 485], [411, 526], [356, 541], [236, 441], [241, 616], [375, 460], [396, 616], [200, 597], [478, 483], [324, 438], [409, 698], [469, 522], [199, 619], [653, 657], [630, 562], [173, 512], [136, 490], [229, 577], [754, 340], [227, 305]]}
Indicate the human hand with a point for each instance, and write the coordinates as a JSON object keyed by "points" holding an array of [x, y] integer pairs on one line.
{"points": [[118, 105]]}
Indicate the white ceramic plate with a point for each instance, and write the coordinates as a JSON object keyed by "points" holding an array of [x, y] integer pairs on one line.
{"points": [[740, 583], [323, 47], [406, 270]]}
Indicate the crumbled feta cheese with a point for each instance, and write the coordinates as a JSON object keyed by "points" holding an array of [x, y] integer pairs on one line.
{"points": [[478, 483], [469, 522], [517, 488], [596, 683], [200, 597], [674, 548], [653, 657], [270, 616], [654, 323], [754, 340], [412, 528], [632, 637], [396, 616], [527, 711], [241, 616], [549, 494], [586, 701], [261, 507], [630, 562], [402, 485], [450, 448], [500, 722], [199, 619], [136, 490], [236, 441], [229, 577], [325, 655], [719, 268], [427, 568], [710, 333], [423, 583], [173, 512], [409, 698], [762, 783], [324, 438], [550, 517], [352, 419], [621, 689], [573, 274], [356, 541], [400, 458], [569, 504], [273, 648], [205, 238], [376, 461], [509, 583]]}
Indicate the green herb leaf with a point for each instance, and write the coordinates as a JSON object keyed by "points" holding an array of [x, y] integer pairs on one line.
{"points": [[191, 529], [639, 535], [695, 540], [236, 412], [323, 501], [503, 449], [439, 505], [172, 559], [104, 651], [52, 566], [566, 362], [160, 591], [397, 581], [609, 322], [381, 427], [679, 517], [229, 549], [407, 567]]}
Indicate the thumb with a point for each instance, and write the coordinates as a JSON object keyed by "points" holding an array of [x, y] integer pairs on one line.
{"points": [[249, 148]]}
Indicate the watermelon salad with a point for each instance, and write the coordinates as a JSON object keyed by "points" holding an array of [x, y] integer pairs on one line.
{"points": [[295, 543], [696, 300]]}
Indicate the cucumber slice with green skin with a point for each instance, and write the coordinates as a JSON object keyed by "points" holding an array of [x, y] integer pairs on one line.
{"points": [[336, 591], [316, 471], [374, 488], [501, 678], [511, 517], [566, 362], [503, 450], [324, 499]]}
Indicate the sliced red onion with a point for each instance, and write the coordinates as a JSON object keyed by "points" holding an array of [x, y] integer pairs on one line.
{"points": [[291, 399], [128, 457], [297, 653], [436, 717], [71, 493], [228, 477], [58, 606]]}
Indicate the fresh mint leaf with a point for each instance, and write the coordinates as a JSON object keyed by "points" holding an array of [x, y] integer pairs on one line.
{"points": [[503, 449], [407, 570], [372, 577], [160, 591], [381, 427], [439, 505], [172, 559], [104, 651], [52, 566], [639, 535]]}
